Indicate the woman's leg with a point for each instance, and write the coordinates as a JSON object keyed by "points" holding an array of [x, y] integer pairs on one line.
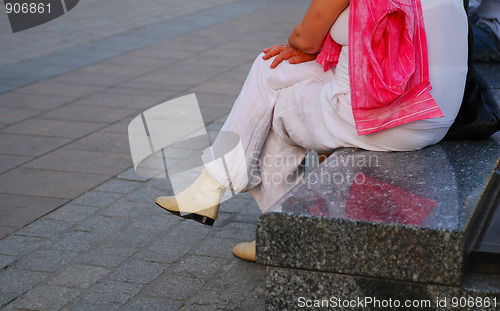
{"points": [[251, 117]]}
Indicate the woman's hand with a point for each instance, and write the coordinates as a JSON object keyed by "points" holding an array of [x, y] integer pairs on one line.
{"points": [[285, 52]]}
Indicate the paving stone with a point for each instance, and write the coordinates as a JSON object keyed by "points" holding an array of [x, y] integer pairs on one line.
{"points": [[15, 281], [217, 248], [6, 261], [97, 199], [102, 225], [45, 228], [72, 213], [46, 260], [78, 276], [77, 306], [159, 222], [130, 174], [18, 99], [106, 255], [89, 78], [83, 113], [119, 186], [46, 183], [241, 230], [82, 161], [145, 195], [133, 237], [188, 232], [18, 210], [103, 142], [20, 245], [138, 271], [153, 304], [112, 100], [46, 297], [8, 162], [202, 267], [11, 115], [241, 277], [60, 89], [127, 209], [177, 287], [76, 241], [54, 128], [5, 299], [112, 293], [163, 252], [218, 299], [26, 145]]}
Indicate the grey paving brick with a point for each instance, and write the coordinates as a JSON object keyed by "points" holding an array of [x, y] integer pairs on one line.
{"points": [[112, 293], [219, 299], [127, 209], [188, 232], [154, 304], [103, 142], [76, 241], [46, 260], [15, 281], [217, 248], [159, 222], [17, 99], [60, 89], [83, 113], [54, 128], [47, 183], [82, 161], [138, 271], [6, 230], [145, 195], [102, 225], [46, 228], [202, 267], [177, 287], [133, 237], [78, 276], [119, 186], [6, 298], [78, 306], [89, 78], [17, 210], [241, 230], [72, 213], [46, 297], [97, 199], [130, 174], [20, 245], [106, 255], [26, 145], [6, 261], [163, 252], [11, 115], [241, 277]]}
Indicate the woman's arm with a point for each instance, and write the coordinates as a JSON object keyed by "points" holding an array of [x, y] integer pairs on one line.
{"points": [[309, 34]]}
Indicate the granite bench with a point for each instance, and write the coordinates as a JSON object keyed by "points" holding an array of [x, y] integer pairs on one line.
{"points": [[374, 229]]}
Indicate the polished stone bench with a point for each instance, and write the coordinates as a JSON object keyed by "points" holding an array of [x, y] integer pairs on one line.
{"points": [[387, 226]]}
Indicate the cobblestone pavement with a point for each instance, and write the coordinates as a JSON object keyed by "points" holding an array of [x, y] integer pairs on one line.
{"points": [[80, 229]]}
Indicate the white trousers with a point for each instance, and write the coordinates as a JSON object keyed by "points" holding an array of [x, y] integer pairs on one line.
{"points": [[282, 113]]}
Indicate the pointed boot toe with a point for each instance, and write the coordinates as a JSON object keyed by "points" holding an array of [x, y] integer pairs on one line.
{"points": [[245, 250]]}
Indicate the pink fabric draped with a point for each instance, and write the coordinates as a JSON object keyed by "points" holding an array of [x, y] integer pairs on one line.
{"points": [[388, 65]]}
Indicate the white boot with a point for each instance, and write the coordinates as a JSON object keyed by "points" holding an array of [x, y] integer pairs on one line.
{"points": [[199, 202], [245, 250]]}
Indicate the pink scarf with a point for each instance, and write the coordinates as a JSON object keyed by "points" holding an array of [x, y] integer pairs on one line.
{"points": [[388, 65]]}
